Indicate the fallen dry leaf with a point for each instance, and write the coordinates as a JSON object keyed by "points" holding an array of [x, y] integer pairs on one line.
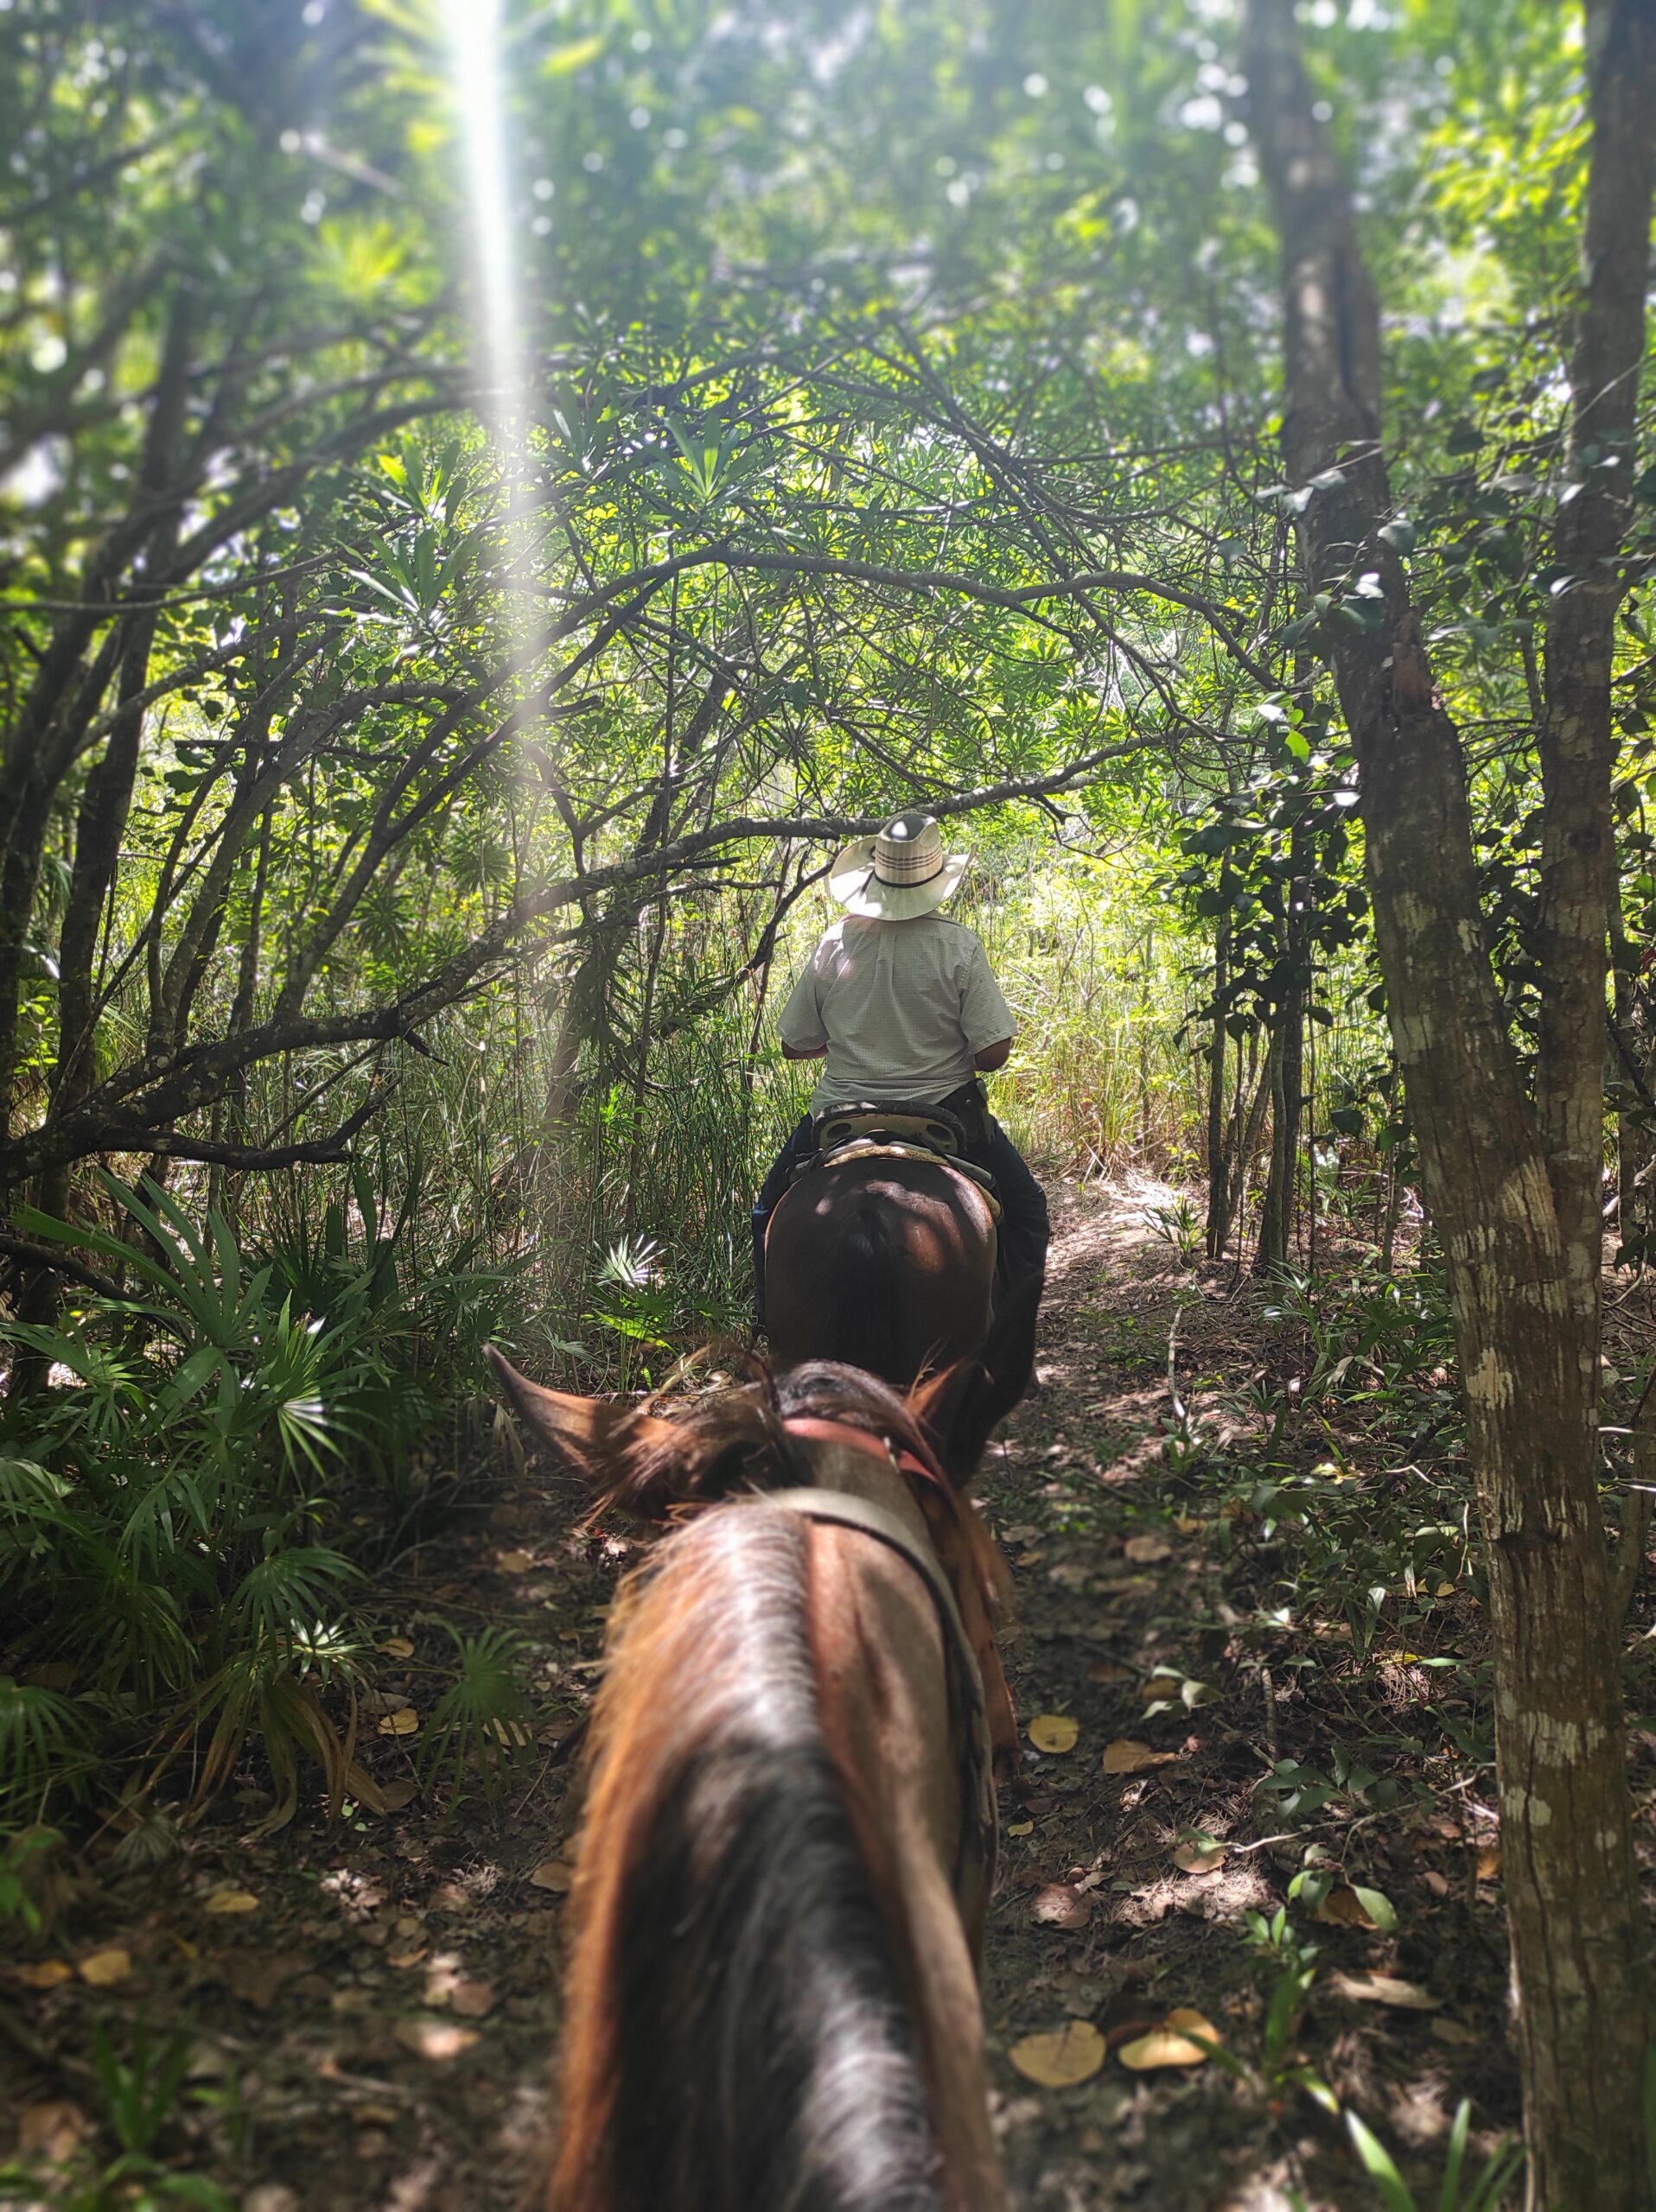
{"points": [[1192, 1858], [393, 1795], [256, 1977], [1170, 2044], [1127, 1756], [1488, 1867], [515, 1562], [46, 1974], [396, 1647], [1054, 1731], [1108, 1670], [473, 1998], [435, 2039], [1343, 1907], [1061, 2057], [51, 2131], [1055, 1904], [1146, 1550], [554, 1874], [224, 1900], [1455, 2034], [1028, 1559], [404, 1722], [1161, 1686], [1020, 1827], [1384, 1989], [103, 1968]]}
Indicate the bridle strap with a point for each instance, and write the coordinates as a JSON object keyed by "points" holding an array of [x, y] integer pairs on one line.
{"points": [[841, 1509], [816, 1430]]}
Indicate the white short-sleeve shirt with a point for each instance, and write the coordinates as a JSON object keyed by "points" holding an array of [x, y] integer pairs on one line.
{"points": [[903, 1008]]}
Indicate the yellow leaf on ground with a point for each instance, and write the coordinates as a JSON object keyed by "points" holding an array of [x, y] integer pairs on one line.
{"points": [[1146, 1550], [1127, 1756], [1108, 1670], [515, 1562], [1160, 1686], [1020, 1827], [1061, 2057], [1170, 2044], [46, 1974], [1384, 1989], [397, 1647], [1192, 1858], [1054, 1731], [436, 2039], [555, 1874], [1488, 1862], [404, 1722], [103, 1968], [232, 1901]]}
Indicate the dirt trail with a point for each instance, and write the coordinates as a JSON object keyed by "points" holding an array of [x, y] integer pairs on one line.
{"points": [[370, 2027]]}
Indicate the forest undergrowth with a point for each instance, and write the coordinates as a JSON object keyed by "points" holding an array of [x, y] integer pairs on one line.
{"points": [[1250, 1638]]}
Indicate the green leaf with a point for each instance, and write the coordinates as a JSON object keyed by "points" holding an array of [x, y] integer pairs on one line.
{"points": [[564, 61], [1377, 2163], [1379, 1907]]}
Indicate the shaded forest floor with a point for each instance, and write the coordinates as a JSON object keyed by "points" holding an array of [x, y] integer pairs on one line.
{"points": [[364, 2014]]}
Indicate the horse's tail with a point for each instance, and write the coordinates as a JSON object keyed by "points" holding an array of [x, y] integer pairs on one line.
{"points": [[867, 1268], [737, 2035]]}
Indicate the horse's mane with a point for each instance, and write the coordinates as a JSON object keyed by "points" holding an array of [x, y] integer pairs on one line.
{"points": [[732, 1439]]}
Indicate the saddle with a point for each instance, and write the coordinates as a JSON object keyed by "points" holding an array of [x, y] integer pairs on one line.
{"points": [[901, 1131]]}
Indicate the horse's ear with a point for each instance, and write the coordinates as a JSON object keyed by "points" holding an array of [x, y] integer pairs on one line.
{"points": [[582, 1432], [960, 1408]]}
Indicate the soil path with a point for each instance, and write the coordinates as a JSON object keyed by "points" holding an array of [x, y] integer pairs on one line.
{"points": [[369, 2010]]}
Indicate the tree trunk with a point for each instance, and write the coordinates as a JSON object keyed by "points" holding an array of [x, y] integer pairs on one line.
{"points": [[1218, 1190], [1287, 1080], [1506, 1180]]}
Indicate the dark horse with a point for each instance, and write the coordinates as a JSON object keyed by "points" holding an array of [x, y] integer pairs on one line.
{"points": [[884, 1260], [784, 1865]]}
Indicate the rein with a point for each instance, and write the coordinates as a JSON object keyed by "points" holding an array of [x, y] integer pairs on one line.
{"points": [[980, 1829]]}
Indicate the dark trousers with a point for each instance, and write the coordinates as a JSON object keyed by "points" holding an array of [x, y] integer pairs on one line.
{"points": [[1025, 1226]]}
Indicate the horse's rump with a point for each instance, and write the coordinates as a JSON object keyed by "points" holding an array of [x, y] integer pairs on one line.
{"points": [[885, 1264], [739, 2028]]}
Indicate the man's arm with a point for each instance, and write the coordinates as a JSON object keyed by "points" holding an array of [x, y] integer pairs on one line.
{"points": [[820, 1052], [991, 1057]]}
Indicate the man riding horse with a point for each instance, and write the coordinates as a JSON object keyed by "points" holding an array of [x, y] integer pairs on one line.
{"points": [[901, 1005]]}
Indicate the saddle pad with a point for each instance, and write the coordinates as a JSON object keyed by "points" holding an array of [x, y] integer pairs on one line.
{"points": [[857, 1148]]}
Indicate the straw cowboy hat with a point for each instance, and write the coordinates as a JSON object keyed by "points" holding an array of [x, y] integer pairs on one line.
{"points": [[899, 875]]}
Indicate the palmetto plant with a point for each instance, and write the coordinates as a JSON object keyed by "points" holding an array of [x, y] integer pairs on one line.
{"points": [[161, 1536], [480, 1722]]}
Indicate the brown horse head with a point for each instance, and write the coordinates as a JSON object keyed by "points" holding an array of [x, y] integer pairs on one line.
{"points": [[885, 1262], [771, 1997]]}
